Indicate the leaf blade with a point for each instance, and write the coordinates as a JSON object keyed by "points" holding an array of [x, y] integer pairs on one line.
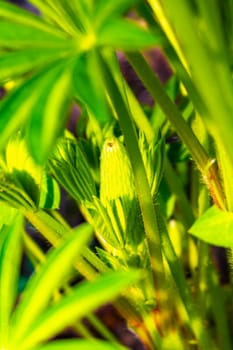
{"points": [[14, 13], [125, 35], [81, 345], [51, 274], [15, 63], [215, 227], [88, 295], [10, 257], [49, 111]]}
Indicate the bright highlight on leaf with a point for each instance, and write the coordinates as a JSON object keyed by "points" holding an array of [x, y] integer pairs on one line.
{"points": [[10, 258], [80, 345], [215, 227], [19, 169], [83, 299]]}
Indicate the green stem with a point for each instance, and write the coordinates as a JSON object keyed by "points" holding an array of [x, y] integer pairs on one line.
{"points": [[175, 186], [141, 182], [219, 311], [185, 133], [101, 328], [54, 232], [156, 339], [178, 275], [144, 124], [34, 251]]}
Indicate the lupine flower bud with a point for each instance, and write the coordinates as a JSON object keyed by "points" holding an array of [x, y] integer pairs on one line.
{"points": [[117, 191], [116, 176]]}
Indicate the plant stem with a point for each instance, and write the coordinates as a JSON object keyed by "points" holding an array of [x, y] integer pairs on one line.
{"points": [[177, 272], [199, 155], [144, 125], [141, 182], [175, 186], [219, 311], [101, 328]]}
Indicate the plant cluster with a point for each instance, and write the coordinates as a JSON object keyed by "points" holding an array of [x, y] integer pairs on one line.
{"points": [[154, 206]]}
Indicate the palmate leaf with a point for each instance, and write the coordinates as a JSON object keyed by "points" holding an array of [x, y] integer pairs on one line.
{"points": [[88, 87], [43, 284], [48, 114], [16, 63], [76, 13], [11, 14], [10, 257], [21, 35], [106, 9], [125, 35], [83, 299], [42, 98], [69, 16], [80, 345]]}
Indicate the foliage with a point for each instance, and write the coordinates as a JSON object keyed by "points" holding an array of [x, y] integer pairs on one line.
{"points": [[155, 207]]}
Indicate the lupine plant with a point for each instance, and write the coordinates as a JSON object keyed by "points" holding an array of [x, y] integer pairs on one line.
{"points": [[152, 182]]}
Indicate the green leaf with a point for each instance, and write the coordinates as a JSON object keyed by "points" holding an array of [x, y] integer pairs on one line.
{"points": [[21, 35], [106, 9], [80, 345], [13, 13], [88, 87], [50, 276], [83, 299], [7, 215], [24, 174], [99, 218], [153, 157], [49, 111], [10, 257], [15, 63], [75, 13], [125, 35], [215, 226], [36, 98], [16, 108], [69, 166], [49, 193], [70, 16]]}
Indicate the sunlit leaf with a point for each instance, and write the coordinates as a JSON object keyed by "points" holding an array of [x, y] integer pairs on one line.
{"points": [[21, 170], [49, 111], [16, 14], [89, 87], [69, 166], [83, 299], [125, 35], [7, 214], [51, 274], [16, 108], [15, 63], [43, 98], [10, 257], [80, 345], [21, 35], [70, 16], [215, 226], [105, 9]]}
